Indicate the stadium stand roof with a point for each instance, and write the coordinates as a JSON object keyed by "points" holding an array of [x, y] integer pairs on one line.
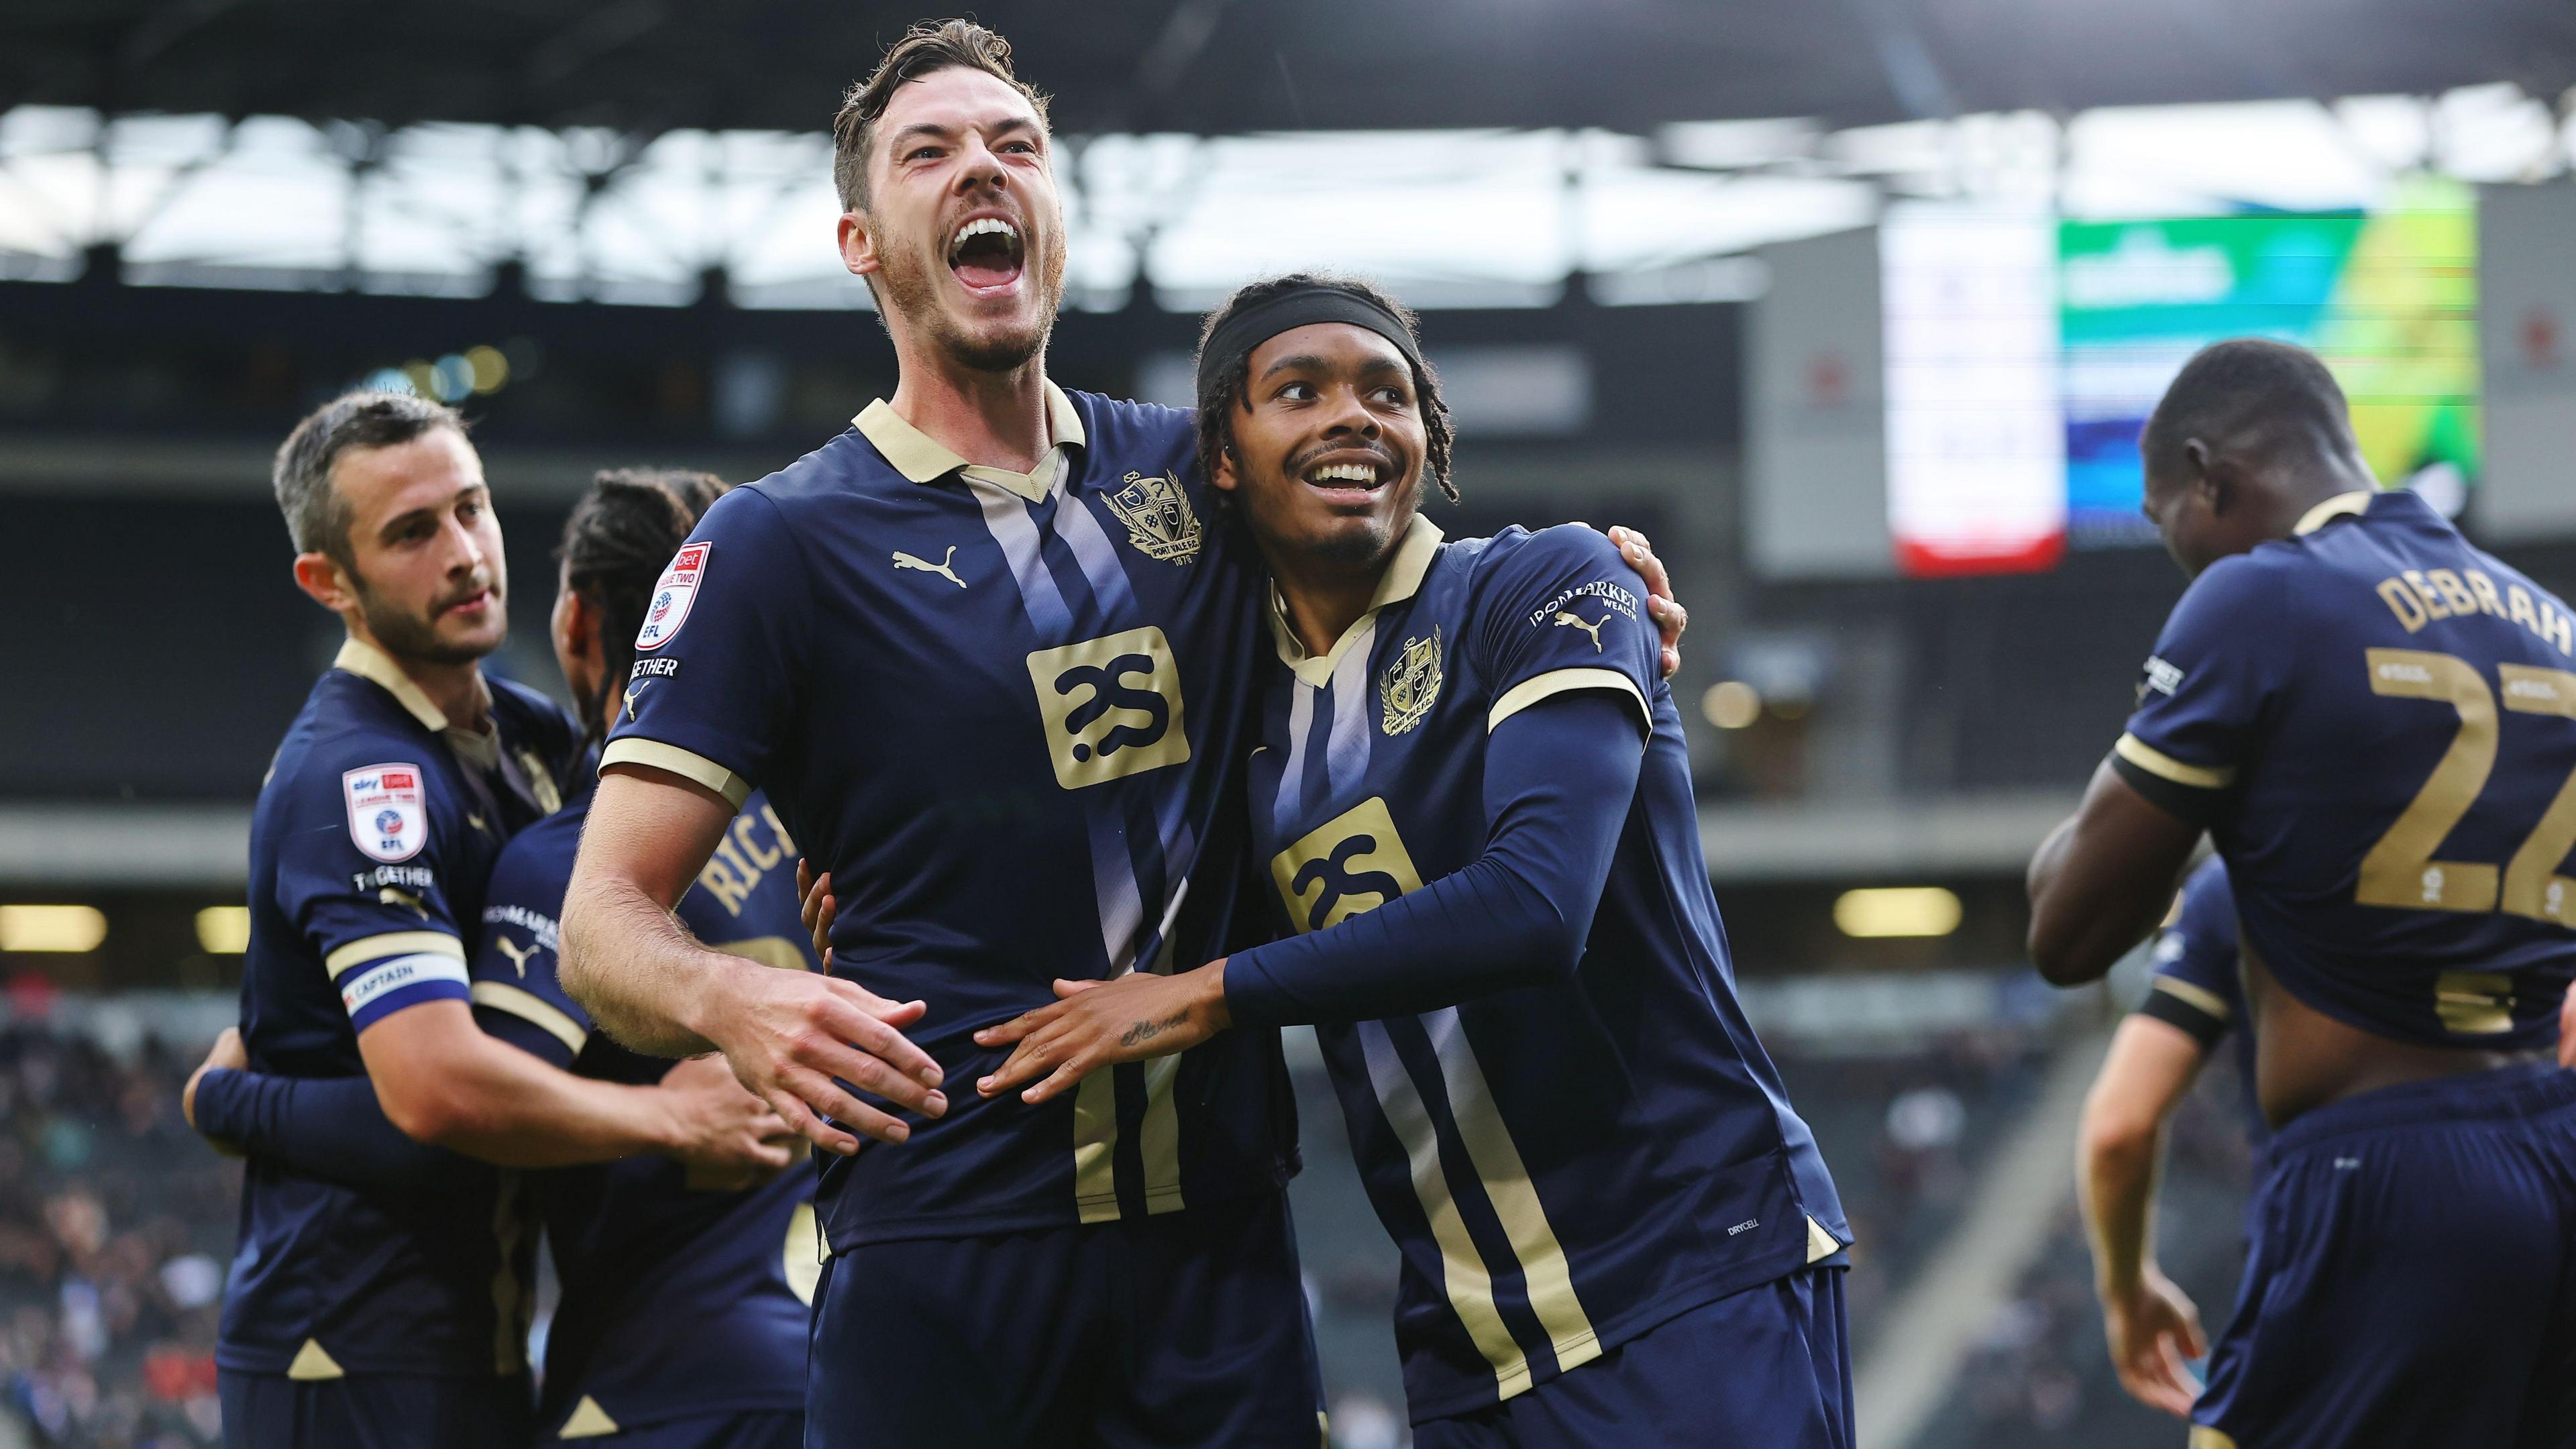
{"points": [[642, 67]]}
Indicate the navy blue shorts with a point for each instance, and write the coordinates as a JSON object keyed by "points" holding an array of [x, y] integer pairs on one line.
{"points": [[372, 1411], [1185, 1329], [752, 1429], [1768, 1367], [2409, 1279]]}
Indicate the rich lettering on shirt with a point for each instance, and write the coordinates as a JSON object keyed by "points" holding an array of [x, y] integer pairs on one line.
{"points": [[753, 846]]}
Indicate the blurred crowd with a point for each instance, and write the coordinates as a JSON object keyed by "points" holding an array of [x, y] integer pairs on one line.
{"points": [[115, 1221], [2040, 1373]]}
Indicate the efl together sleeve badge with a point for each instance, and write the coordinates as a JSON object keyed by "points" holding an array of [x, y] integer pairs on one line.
{"points": [[388, 818], [673, 595]]}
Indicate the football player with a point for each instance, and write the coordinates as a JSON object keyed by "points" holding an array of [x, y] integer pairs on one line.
{"points": [[2376, 723], [1473, 802], [359, 1310], [995, 672], [2194, 1002]]}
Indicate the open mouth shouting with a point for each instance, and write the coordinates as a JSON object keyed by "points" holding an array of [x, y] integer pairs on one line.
{"points": [[987, 254]]}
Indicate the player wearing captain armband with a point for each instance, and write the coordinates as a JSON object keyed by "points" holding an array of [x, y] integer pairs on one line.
{"points": [[2376, 724], [1472, 798], [381, 1289]]}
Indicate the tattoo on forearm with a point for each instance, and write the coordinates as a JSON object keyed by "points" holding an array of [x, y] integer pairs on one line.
{"points": [[1148, 1030]]}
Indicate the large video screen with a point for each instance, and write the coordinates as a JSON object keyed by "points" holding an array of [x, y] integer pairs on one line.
{"points": [[2388, 298]]}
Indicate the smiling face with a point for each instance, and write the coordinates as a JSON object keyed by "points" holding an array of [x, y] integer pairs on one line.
{"points": [[963, 226], [1328, 442], [426, 573]]}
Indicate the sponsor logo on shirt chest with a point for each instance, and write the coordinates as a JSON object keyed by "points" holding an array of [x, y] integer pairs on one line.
{"points": [[1111, 706]]}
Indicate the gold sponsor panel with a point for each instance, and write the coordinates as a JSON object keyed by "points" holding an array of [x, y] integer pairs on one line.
{"points": [[1111, 706], [1355, 862]]}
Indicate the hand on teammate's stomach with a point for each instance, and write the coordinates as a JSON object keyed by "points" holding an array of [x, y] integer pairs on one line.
{"points": [[793, 1038], [1099, 1024]]}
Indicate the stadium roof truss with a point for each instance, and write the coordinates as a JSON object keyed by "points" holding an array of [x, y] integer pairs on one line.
{"points": [[1472, 154]]}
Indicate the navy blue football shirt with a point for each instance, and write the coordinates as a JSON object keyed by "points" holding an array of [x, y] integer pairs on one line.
{"points": [[1003, 710], [1563, 1165], [2197, 988], [677, 1301], [2377, 722], [370, 847]]}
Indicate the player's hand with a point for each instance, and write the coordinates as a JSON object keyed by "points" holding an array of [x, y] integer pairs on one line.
{"points": [[1661, 606], [728, 1138], [815, 904], [801, 1040], [2153, 1331], [227, 1054], [1102, 1023]]}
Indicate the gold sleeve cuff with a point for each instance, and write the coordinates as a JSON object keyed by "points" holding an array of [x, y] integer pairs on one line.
{"points": [[2200, 997], [397, 943], [688, 765], [2156, 762], [1557, 681], [530, 1007]]}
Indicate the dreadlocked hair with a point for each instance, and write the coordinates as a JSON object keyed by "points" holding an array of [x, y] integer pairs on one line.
{"points": [[1220, 395], [620, 537]]}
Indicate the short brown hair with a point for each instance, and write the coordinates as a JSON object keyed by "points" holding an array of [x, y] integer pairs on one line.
{"points": [[317, 517], [928, 47]]}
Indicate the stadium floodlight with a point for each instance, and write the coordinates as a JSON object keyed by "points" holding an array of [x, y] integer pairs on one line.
{"points": [[1897, 911], [223, 930], [67, 930], [1731, 704]]}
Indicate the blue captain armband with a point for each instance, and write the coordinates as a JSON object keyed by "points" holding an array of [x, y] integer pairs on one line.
{"points": [[380, 975]]}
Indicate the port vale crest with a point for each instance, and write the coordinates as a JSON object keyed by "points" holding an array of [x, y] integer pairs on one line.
{"points": [[1410, 685], [1159, 519]]}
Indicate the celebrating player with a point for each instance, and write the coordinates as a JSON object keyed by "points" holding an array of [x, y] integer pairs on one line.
{"points": [[2193, 1002], [683, 1318], [1473, 798], [996, 674], [2377, 724], [356, 1312]]}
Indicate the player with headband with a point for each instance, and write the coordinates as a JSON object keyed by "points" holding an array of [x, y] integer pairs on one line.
{"points": [[1473, 800]]}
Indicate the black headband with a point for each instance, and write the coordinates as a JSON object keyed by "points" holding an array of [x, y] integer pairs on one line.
{"points": [[1234, 339]]}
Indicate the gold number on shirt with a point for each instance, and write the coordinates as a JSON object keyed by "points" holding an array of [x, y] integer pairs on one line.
{"points": [[2400, 869], [2532, 884]]}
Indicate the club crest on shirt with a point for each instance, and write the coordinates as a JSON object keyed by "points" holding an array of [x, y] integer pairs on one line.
{"points": [[1159, 519], [672, 596], [388, 814], [1410, 686]]}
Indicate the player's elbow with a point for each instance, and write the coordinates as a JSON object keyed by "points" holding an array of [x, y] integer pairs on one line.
{"points": [[585, 919], [2060, 950], [2117, 1138], [427, 1112]]}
